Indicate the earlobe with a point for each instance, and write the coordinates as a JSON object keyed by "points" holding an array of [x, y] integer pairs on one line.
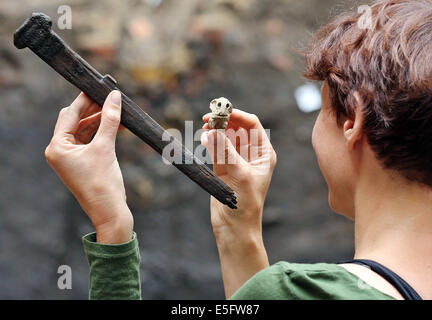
{"points": [[348, 128], [353, 129]]}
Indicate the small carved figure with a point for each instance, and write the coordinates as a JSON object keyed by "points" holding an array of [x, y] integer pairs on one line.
{"points": [[221, 110]]}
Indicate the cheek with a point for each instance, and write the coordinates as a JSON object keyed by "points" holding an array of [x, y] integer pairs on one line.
{"points": [[319, 140], [322, 144], [333, 161]]}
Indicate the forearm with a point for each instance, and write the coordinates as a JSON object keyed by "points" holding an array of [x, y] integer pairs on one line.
{"points": [[241, 257]]}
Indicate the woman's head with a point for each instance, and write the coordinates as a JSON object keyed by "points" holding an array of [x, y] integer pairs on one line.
{"points": [[381, 76]]}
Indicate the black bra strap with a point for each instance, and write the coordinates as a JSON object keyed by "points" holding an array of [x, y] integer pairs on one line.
{"points": [[400, 284]]}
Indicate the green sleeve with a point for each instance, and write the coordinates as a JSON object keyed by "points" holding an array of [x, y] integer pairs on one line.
{"points": [[114, 269], [320, 281]]}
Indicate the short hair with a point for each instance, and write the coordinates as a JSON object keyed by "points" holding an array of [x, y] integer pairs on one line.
{"points": [[389, 63]]}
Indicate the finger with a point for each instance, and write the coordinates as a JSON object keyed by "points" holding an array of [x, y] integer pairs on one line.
{"points": [[88, 127], [221, 150], [242, 118], [68, 120], [230, 126], [257, 134], [239, 118], [239, 137], [245, 120], [110, 121], [206, 117], [240, 140], [91, 110]]}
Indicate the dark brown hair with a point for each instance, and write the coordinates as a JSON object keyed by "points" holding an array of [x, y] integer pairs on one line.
{"points": [[390, 65]]}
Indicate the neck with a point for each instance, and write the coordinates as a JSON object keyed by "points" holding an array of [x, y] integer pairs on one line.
{"points": [[393, 226]]}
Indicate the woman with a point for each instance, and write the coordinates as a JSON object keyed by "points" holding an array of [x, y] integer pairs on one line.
{"points": [[373, 141]]}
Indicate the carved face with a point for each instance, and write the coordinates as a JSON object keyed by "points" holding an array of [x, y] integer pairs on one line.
{"points": [[221, 107]]}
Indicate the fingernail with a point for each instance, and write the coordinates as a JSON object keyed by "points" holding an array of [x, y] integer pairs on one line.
{"points": [[116, 97]]}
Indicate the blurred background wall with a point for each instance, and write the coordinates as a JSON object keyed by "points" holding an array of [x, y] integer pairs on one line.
{"points": [[172, 57]]}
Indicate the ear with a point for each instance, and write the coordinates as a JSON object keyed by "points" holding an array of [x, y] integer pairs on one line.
{"points": [[212, 106], [353, 128]]}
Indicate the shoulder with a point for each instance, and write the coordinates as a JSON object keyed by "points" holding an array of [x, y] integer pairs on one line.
{"points": [[285, 280], [268, 284]]}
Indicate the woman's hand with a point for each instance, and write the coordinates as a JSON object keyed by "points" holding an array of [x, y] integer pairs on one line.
{"points": [[89, 167], [243, 158]]}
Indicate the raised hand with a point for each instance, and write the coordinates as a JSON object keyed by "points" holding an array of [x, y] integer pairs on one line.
{"points": [[89, 167], [243, 158]]}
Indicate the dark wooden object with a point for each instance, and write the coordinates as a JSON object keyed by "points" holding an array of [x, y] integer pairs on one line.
{"points": [[36, 34]]}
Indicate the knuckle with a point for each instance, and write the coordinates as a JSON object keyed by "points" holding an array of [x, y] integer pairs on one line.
{"points": [[63, 110], [48, 153], [53, 152], [113, 115], [273, 159], [254, 117]]}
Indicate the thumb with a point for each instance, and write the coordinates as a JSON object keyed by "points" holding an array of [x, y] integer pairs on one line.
{"points": [[110, 119], [221, 150]]}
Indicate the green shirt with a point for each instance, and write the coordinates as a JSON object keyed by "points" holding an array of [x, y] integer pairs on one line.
{"points": [[294, 281], [114, 274]]}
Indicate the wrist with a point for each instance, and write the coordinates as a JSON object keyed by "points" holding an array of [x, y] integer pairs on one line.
{"points": [[239, 243], [114, 233], [244, 227], [241, 257], [117, 229]]}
